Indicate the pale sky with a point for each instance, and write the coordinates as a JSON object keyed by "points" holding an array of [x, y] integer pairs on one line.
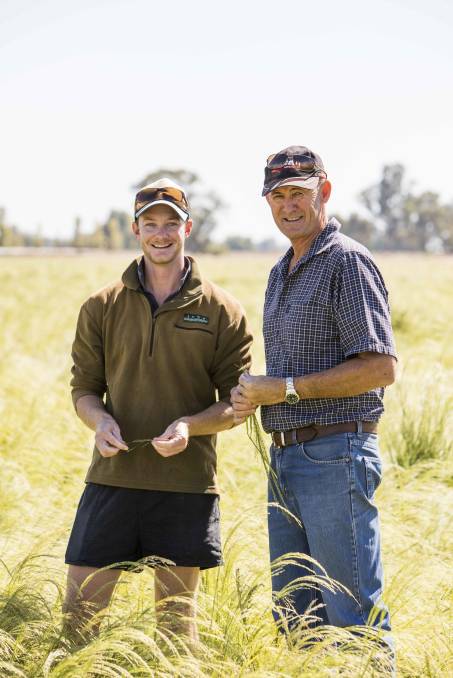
{"points": [[95, 94]]}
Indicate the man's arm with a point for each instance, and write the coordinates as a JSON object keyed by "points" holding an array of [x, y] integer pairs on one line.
{"points": [[358, 375], [92, 412], [217, 417], [88, 382], [362, 315]]}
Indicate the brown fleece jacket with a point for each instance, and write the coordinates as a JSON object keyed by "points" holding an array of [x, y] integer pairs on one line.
{"points": [[154, 369]]}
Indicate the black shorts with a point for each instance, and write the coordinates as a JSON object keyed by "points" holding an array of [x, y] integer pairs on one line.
{"points": [[118, 524]]}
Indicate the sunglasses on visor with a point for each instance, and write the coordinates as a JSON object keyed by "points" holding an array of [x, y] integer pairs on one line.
{"points": [[148, 195], [301, 163]]}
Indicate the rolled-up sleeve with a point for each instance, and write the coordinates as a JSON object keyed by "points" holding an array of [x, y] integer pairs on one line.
{"points": [[88, 371], [362, 309], [232, 355]]}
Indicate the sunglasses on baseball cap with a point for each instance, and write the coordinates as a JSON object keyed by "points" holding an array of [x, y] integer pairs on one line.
{"points": [[295, 165], [162, 192]]}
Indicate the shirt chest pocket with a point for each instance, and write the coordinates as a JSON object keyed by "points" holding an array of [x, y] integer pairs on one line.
{"points": [[195, 341], [193, 328]]}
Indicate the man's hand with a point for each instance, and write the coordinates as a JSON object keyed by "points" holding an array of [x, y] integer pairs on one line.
{"points": [[242, 408], [108, 437], [173, 440], [261, 390]]}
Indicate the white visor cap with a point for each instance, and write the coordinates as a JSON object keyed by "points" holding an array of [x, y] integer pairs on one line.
{"points": [[183, 215]]}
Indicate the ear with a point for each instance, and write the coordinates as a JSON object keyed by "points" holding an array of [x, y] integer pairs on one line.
{"points": [[135, 229], [326, 190], [188, 227]]}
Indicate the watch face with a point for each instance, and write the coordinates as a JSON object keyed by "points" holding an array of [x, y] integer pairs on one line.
{"points": [[292, 398]]}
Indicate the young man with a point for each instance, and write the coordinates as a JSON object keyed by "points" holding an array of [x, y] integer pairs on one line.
{"points": [[329, 355], [164, 346]]}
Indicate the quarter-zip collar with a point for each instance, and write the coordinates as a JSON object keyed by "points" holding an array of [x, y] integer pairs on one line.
{"points": [[149, 295], [190, 291]]}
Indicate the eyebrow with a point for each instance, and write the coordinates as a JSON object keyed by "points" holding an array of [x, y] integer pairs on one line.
{"points": [[151, 219], [292, 189]]}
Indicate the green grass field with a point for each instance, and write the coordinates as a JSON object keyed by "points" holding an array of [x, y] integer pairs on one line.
{"points": [[45, 450]]}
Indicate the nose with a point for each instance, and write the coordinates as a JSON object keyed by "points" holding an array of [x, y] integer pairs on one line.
{"points": [[162, 232], [289, 203]]}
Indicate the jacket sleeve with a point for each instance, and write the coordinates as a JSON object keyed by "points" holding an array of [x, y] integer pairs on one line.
{"points": [[232, 356], [88, 373]]}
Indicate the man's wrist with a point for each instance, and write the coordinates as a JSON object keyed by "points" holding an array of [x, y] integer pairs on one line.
{"points": [[280, 392], [300, 384], [103, 418], [188, 423]]}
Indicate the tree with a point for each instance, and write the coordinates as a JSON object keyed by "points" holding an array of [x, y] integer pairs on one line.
{"points": [[405, 219], [445, 227], [423, 217], [239, 243], [204, 204], [38, 239], [97, 238], [268, 245], [118, 231], [10, 236], [386, 202], [77, 239], [360, 229], [123, 222], [2, 225]]}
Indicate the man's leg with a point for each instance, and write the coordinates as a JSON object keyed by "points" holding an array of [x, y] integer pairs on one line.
{"points": [[88, 591], [180, 533], [175, 593], [287, 535], [334, 479], [105, 531]]}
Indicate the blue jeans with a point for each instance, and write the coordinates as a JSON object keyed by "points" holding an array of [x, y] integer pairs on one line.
{"points": [[328, 484]]}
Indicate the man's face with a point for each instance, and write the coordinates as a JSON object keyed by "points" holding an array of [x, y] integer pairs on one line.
{"points": [[161, 234], [299, 212]]}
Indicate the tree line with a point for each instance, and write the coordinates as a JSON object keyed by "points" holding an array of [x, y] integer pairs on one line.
{"points": [[400, 218], [394, 217]]}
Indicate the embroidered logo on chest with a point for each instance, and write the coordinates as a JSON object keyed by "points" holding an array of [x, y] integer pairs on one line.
{"points": [[196, 318]]}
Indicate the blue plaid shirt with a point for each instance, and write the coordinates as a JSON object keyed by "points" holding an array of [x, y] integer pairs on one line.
{"points": [[331, 306]]}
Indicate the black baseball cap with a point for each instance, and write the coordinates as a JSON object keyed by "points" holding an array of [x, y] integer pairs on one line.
{"points": [[293, 166]]}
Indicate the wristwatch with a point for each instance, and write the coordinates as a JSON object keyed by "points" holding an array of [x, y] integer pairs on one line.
{"points": [[291, 396]]}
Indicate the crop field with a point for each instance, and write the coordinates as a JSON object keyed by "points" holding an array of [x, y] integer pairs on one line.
{"points": [[45, 450]]}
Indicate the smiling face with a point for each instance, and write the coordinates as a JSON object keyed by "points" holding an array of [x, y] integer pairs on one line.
{"points": [[161, 234], [300, 212]]}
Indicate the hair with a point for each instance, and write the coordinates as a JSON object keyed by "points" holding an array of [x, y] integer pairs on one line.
{"points": [[322, 205]]}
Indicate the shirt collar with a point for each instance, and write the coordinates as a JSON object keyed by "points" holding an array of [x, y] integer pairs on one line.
{"points": [[324, 241]]}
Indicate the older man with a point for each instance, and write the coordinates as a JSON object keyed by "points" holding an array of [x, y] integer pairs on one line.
{"points": [[329, 355], [165, 346]]}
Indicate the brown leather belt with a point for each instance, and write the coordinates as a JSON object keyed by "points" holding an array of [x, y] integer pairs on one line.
{"points": [[307, 433]]}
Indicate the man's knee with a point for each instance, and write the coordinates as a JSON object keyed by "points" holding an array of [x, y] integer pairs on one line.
{"points": [[176, 581], [88, 591]]}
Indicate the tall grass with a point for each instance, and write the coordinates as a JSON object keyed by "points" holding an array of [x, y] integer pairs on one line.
{"points": [[236, 634], [44, 452], [424, 430]]}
